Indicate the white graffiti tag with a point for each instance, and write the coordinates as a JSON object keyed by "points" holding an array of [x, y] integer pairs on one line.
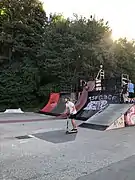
{"points": [[96, 105], [109, 97]]}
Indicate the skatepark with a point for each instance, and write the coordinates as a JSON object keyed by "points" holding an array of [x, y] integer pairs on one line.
{"points": [[99, 106], [67, 90], [34, 145]]}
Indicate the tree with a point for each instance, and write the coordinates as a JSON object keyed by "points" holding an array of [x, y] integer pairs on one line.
{"points": [[38, 54], [125, 56], [22, 28]]}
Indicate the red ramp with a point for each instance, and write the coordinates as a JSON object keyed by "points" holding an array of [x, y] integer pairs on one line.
{"points": [[56, 105], [83, 98], [52, 103]]}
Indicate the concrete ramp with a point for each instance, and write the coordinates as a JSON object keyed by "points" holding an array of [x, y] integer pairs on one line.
{"points": [[110, 118]]}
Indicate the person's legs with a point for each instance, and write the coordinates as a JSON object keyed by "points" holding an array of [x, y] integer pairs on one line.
{"points": [[73, 122], [131, 96], [125, 98]]}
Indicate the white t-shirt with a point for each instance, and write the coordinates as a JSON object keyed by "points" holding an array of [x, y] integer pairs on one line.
{"points": [[71, 107]]}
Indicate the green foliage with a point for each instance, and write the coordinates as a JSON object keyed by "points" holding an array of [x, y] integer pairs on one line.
{"points": [[38, 54], [21, 39]]}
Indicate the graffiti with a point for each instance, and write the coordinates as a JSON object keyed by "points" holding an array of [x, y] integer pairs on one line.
{"points": [[130, 116], [108, 97], [96, 105], [119, 123], [103, 104]]}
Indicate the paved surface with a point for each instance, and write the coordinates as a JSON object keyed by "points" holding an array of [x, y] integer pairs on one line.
{"points": [[122, 170], [51, 155], [22, 117]]}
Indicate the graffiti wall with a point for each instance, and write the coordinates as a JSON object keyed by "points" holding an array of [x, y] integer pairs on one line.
{"points": [[96, 105], [91, 108], [97, 101], [110, 97], [129, 116]]}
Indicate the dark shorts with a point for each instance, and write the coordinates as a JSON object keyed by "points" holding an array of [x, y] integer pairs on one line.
{"points": [[72, 116], [131, 95]]}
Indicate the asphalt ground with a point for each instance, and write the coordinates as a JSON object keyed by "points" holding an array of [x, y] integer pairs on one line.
{"points": [[45, 152]]}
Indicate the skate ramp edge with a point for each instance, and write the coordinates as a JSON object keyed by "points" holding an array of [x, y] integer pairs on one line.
{"points": [[113, 117]]}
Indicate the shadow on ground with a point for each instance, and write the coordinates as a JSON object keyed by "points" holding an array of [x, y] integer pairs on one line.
{"points": [[58, 136]]}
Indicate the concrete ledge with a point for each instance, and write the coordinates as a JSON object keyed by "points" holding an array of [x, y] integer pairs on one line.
{"points": [[13, 111]]}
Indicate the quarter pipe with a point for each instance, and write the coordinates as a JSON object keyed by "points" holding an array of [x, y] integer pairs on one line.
{"points": [[56, 105]]}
